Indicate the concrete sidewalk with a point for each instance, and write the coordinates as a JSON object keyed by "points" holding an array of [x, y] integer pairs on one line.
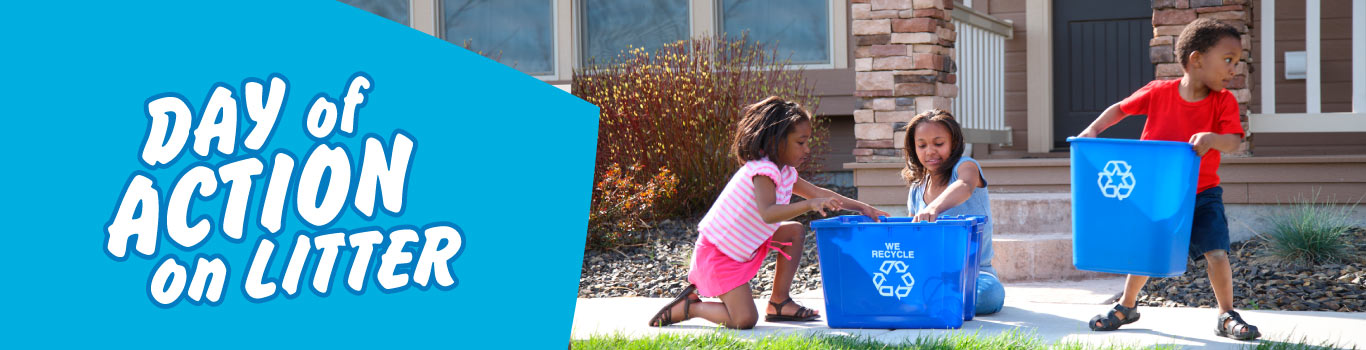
{"points": [[1055, 311]]}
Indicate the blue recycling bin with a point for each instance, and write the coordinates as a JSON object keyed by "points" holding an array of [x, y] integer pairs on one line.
{"points": [[896, 274], [1132, 205], [973, 265]]}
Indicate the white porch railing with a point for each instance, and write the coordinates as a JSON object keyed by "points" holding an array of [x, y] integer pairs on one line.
{"points": [[980, 51], [1313, 119]]}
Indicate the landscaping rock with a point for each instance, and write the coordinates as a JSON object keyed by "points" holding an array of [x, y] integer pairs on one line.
{"points": [[1262, 283], [659, 266]]}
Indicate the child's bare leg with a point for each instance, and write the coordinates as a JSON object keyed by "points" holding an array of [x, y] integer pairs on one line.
{"points": [[736, 309], [1220, 278], [795, 233], [1113, 319], [1132, 285]]}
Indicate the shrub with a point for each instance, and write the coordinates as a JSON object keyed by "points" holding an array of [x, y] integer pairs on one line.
{"points": [[1310, 233], [676, 108], [623, 199], [496, 56]]}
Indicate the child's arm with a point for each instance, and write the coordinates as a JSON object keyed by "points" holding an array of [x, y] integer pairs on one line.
{"points": [[969, 178], [1200, 142], [1204, 141], [765, 199], [808, 190], [1112, 115]]}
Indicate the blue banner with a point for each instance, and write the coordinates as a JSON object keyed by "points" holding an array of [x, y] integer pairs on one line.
{"points": [[280, 174]]}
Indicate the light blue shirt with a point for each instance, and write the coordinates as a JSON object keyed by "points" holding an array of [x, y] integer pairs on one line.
{"points": [[978, 204]]}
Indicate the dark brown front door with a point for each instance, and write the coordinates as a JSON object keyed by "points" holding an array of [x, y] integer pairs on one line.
{"points": [[1100, 56]]}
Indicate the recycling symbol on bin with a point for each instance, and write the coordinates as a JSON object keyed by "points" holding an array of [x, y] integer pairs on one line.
{"points": [[1116, 181], [893, 268]]}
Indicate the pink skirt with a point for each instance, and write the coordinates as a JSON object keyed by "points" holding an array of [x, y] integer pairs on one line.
{"points": [[714, 273]]}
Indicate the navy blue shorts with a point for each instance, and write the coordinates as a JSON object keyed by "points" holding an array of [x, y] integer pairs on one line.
{"points": [[1209, 229]]}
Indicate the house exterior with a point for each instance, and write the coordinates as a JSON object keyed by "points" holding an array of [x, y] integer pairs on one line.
{"points": [[1051, 92], [1021, 75], [552, 37]]}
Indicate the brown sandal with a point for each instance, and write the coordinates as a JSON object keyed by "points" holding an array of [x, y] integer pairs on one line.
{"points": [[665, 316], [802, 314]]}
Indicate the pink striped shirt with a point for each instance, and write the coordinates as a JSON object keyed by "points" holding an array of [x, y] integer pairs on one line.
{"points": [[733, 224]]}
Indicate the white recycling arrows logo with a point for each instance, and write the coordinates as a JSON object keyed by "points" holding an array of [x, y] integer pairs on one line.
{"points": [[893, 268], [1116, 181]]}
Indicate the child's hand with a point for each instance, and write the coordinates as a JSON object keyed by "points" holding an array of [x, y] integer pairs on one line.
{"points": [[927, 214], [1202, 142], [874, 213], [822, 204], [1088, 133]]}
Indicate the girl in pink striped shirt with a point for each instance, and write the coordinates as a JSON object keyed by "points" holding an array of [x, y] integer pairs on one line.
{"points": [[747, 220]]}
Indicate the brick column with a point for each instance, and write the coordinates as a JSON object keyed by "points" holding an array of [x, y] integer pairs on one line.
{"points": [[903, 65], [1171, 16]]}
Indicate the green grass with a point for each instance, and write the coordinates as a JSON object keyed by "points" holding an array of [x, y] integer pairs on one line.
{"points": [[721, 339], [1302, 344], [1012, 340], [1310, 233]]}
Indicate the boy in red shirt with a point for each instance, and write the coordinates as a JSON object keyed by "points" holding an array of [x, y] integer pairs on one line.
{"points": [[1198, 110]]}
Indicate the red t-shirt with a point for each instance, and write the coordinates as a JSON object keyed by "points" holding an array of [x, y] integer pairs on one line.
{"points": [[1172, 118]]}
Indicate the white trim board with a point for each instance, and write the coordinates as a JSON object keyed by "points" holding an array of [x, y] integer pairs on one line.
{"points": [[1039, 56], [1306, 122]]}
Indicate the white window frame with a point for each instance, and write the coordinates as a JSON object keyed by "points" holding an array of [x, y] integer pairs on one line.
{"points": [[703, 18], [838, 57], [432, 17], [579, 18]]}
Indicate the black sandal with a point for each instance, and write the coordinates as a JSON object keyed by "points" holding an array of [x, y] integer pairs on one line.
{"points": [[1111, 322], [802, 314], [1240, 329], [665, 316]]}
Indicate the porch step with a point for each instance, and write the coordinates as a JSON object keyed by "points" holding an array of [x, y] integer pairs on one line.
{"points": [[1031, 207], [1031, 213], [1033, 237], [1036, 257]]}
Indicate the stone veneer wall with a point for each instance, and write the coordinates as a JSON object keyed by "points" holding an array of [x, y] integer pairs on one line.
{"points": [[903, 65], [1171, 16]]}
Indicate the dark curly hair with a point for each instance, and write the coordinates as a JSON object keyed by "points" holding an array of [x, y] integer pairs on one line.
{"points": [[764, 126], [1202, 35], [915, 171]]}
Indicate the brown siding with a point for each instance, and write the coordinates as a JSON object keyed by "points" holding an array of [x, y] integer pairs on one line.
{"points": [[1279, 180], [836, 90], [1015, 81], [840, 146], [1336, 33], [836, 86]]}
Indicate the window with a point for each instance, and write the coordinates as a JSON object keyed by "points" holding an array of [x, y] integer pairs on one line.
{"points": [[800, 28], [396, 10], [518, 33], [548, 38], [610, 26]]}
